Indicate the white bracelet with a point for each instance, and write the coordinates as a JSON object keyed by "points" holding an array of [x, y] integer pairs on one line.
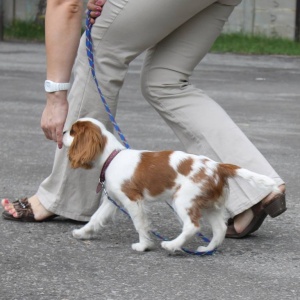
{"points": [[51, 87]]}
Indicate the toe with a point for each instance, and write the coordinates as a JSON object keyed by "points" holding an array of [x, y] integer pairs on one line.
{"points": [[5, 202], [8, 206], [15, 214]]}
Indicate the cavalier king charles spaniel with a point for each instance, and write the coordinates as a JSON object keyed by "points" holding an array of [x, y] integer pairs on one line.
{"points": [[196, 186]]}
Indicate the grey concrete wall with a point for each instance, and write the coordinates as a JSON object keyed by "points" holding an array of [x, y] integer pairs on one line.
{"points": [[268, 17], [20, 9]]}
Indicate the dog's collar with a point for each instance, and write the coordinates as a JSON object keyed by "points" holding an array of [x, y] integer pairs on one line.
{"points": [[105, 166]]}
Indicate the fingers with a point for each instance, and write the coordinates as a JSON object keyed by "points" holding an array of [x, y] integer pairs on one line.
{"points": [[49, 130], [59, 138], [47, 133], [95, 14], [53, 131], [95, 9], [95, 5], [54, 117], [55, 134]]}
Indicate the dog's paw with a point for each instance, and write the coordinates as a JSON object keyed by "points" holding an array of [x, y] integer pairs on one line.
{"points": [[81, 234], [170, 246], [204, 249], [142, 246]]}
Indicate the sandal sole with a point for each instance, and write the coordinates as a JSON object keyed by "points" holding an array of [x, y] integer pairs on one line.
{"points": [[7, 216]]}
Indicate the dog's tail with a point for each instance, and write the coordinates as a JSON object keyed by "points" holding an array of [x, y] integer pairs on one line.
{"points": [[257, 180]]}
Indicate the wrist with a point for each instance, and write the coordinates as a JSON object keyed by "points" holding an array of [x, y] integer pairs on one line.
{"points": [[57, 98]]}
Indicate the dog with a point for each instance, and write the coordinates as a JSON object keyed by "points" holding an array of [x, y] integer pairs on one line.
{"points": [[196, 185]]}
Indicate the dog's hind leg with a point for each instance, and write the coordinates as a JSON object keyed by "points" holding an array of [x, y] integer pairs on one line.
{"points": [[216, 219], [189, 229], [141, 224], [97, 221]]}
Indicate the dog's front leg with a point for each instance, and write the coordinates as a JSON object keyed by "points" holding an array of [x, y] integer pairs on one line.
{"points": [[98, 220], [141, 224]]}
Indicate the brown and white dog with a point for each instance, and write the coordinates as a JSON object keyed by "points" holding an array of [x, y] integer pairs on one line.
{"points": [[196, 185]]}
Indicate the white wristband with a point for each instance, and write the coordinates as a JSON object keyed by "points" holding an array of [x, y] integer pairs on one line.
{"points": [[51, 87]]}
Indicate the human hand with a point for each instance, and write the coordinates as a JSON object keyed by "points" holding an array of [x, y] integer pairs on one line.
{"points": [[95, 6], [54, 116]]}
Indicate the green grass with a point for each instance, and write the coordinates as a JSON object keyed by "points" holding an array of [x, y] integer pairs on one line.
{"points": [[226, 43], [249, 44], [24, 31]]}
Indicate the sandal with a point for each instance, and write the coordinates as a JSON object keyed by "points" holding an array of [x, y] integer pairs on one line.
{"points": [[25, 213], [276, 206], [273, 208]]}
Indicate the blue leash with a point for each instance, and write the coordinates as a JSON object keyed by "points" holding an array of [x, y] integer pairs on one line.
{"points": [[90, 55]]}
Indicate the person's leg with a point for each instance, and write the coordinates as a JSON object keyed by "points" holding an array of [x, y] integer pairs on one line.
{"points": [[125, 29], [200, 123]]}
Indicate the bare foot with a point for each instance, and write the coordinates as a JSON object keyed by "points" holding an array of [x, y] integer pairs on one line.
{"points": [[242, 220], [39, 211]]}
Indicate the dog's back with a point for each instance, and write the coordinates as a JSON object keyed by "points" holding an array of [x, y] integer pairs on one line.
{"points": [[148, 175]]}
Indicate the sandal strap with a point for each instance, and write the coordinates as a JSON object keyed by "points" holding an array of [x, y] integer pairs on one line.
{"points": [[23, 208]]}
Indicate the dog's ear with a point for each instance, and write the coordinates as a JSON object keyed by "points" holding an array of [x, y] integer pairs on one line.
{"points": [[87, 145]]}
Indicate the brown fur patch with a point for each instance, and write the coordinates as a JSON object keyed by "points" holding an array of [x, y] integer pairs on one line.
{"points": [[153, 174], [212, 189], [88, 143], [199, 176], [228, 170], [185, 166], [195, 212]]}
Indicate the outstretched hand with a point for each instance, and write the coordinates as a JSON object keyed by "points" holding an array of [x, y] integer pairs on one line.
{"points": [[95, 6]]}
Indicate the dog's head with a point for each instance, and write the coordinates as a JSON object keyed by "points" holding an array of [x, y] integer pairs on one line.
{"points": [[85, 141]]}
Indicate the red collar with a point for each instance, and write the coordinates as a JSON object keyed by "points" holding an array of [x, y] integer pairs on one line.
{"points": [[105, 166]]}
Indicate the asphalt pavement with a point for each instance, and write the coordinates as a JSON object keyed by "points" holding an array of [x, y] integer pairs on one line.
{"points": [[44, 262]]}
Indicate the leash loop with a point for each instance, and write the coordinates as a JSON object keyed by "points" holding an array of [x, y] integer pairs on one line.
{"points": [[101, 185]]}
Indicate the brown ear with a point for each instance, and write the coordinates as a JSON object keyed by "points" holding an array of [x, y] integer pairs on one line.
{"points": [[87, 145]]}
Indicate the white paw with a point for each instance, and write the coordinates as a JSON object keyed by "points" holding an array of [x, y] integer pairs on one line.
{"points": [[81, 234], [204, 249], [170, 246], [142, 246]]}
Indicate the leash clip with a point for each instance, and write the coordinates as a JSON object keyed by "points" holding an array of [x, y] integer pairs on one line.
{"points": [[100, 186]]}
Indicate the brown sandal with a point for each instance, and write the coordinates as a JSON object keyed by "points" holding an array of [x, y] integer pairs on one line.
{"points": [[273, 208], [276, 206], [25, 213]]}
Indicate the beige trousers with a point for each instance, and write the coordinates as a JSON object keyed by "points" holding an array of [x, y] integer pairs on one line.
{"points": [[177, 34]]}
